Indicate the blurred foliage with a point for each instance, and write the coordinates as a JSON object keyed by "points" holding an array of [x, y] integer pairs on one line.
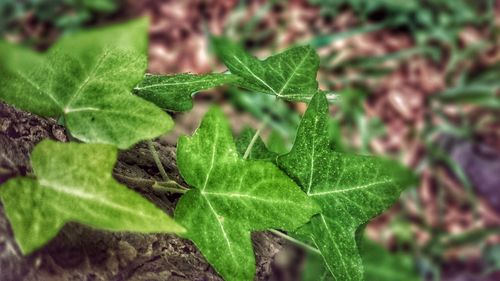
{"points": [[382, 265], [424, 19], [480, 88], [282, 119], [435, 26], [351, 116], [492, 255], [64, 15], [379, 263]]}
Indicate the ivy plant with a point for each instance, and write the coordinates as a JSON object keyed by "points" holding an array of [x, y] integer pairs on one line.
{"points": [[86, 79], [313, 195]]}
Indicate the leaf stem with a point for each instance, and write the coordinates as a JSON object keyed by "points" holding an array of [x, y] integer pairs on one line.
{"points": [[170, 187], [265, 120], [134, 182], [158, 163], [295, 241], [254, 139]]}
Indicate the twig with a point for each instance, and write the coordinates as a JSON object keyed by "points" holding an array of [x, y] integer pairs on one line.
{"points": [[135, 182], [254, 139], [295, 241], [170, 187]]}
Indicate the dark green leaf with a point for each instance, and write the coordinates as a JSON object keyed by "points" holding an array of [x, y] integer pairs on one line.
{"points": [[350, 189], [233, 197], [289, 75], [174, 92]]}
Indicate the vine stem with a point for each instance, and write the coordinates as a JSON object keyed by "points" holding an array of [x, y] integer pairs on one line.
{"points": [[135, 182], [170, 186], [295, 241], [254, 139], [257, 133], [158, 163]]}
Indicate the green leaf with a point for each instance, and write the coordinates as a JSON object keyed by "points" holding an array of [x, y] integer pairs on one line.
{"points": [[350, 189], [174, 92], [74, 183], [276, 143], [258, 151], [379, 264], [87, 79], [232, 197], [315, 269], [290, 75]]}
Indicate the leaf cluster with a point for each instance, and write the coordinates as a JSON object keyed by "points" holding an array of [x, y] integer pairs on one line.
{"points": [[94, 83], [84, 80]]}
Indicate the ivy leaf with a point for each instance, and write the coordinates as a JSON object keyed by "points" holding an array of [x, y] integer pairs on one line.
{"points": [[86, 79], [350, 189], [259, 150], [232, 197], [174, 92], [74, 183], [289, 75]]}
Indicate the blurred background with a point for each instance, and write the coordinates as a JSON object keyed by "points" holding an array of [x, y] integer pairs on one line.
{"points": [[416, 80]]}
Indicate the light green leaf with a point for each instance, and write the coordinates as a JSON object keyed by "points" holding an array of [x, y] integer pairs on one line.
{"points": [[174, 92], [350, 189], [258, 151], [74, 183], [290, 75], [87, 79], [232, 197]]}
